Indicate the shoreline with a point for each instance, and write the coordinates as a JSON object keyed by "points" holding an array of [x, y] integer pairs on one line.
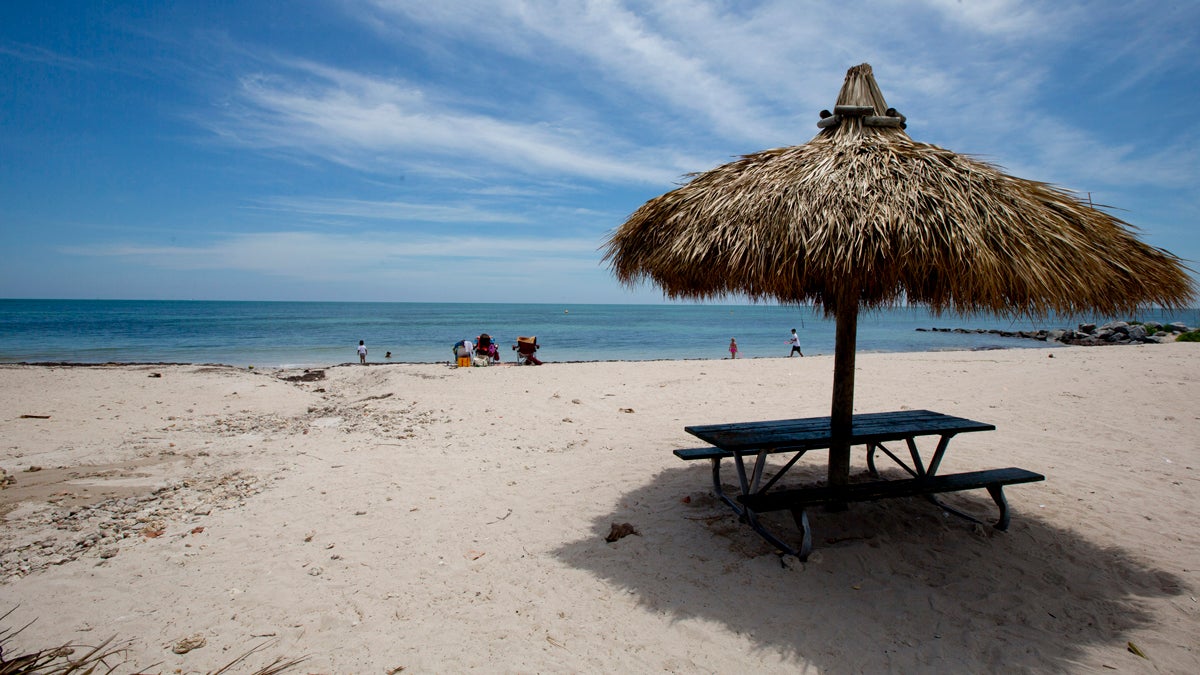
{"points": [[1087, 335], [450, 362], [305, 335], [362, 518]]}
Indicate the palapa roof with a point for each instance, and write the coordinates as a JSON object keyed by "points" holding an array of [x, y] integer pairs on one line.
{"points": [[864, 212]]}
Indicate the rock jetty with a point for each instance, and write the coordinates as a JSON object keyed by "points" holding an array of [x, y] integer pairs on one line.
{"points": [[1089, 334]]}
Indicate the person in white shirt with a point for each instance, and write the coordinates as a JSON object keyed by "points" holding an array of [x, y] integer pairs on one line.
{"points": [[794, 341]]}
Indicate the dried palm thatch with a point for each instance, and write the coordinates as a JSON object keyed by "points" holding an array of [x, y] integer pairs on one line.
{"points": [[868, 215], [863, 216], [107, 658]]}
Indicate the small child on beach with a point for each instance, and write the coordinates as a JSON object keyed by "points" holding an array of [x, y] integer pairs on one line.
{"points": [[362, 352], [732, 348], [794, 341]]}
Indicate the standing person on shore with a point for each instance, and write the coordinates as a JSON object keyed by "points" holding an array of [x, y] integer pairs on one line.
{"points": [[362, 352], [794, 341], [732, 348]]}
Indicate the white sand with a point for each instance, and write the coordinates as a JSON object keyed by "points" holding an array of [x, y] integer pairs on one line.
{"points": [[442, 520]]}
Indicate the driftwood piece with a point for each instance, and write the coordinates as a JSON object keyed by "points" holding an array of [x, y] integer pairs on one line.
{"points": [[853, 110]]}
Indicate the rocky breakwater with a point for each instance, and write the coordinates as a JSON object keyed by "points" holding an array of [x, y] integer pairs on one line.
{"points": [[1089, 334], [1121, 333]]}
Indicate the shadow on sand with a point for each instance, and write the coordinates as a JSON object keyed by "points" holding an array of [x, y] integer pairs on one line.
{"points": [[890, 586]]}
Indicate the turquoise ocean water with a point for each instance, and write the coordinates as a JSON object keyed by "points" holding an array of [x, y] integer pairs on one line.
{"points": [[304, 334]]}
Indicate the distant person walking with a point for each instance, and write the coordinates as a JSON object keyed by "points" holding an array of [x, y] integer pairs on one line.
{"points": [[362, 352], [794, 341], [732, 348]]}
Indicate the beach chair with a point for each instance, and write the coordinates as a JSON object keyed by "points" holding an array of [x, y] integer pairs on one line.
{"points": [[525, 348], [485, 350], [462, 353]]}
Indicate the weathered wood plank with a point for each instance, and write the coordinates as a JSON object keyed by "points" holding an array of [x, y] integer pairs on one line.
{"points": [[689, 454], [853, 110], [817, 432], [886, 489], [875, 121]]}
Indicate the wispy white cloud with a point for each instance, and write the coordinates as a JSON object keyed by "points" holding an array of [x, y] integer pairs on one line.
{"points": [[1005, 17], [358, 256], [728, 73], [1145, 42], [739, 75], [690, 59], [730, 76], [367, 122], [36, 54], [1064, 150], [408, 212]]}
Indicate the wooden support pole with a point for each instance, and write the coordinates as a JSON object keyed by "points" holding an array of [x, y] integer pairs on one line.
{"points": [[842, 410]]}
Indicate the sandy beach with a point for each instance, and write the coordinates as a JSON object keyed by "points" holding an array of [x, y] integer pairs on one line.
{"points": [[432, 519]]}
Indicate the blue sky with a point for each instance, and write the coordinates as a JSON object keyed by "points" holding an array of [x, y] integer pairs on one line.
{"points": [[482, 151]]}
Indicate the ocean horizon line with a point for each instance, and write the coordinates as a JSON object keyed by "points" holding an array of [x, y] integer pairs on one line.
{"points": [[635, 303]]}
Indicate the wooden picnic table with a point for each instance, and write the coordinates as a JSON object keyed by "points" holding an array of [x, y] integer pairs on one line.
{"points": [[872, 430]]}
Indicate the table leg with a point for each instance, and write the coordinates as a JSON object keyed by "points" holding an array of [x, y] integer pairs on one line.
{"points": [[943, 443], [871, 460], [997, 493], [950, 509], [900, 463], [751, 519], [740, 465], [801, 518], [916, 456], [779, 474], [719, 490], [760, 463]]}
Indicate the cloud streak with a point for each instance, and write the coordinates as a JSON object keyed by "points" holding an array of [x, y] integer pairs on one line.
{"points": [[366, 121], [747, 74], [407, 212], [41, 55], [308, 255]]}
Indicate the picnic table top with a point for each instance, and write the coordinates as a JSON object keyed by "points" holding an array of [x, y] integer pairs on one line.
{"points": [[816, 432]]}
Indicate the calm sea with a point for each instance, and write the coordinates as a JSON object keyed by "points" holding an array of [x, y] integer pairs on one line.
{"points": [[295, 334]]}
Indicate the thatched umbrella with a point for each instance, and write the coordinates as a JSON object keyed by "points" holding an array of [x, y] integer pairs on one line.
{"points": [[863, 216]]}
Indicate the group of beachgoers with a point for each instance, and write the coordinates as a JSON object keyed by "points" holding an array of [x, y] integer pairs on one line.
{"points": [[793, 340], [481, 351]]}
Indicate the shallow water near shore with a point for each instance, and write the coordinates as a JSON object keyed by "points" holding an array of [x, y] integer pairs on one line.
{"points": [[303, 334]]}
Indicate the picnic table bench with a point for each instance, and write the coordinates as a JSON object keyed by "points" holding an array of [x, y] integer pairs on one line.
{"points": [[798, 436]]}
